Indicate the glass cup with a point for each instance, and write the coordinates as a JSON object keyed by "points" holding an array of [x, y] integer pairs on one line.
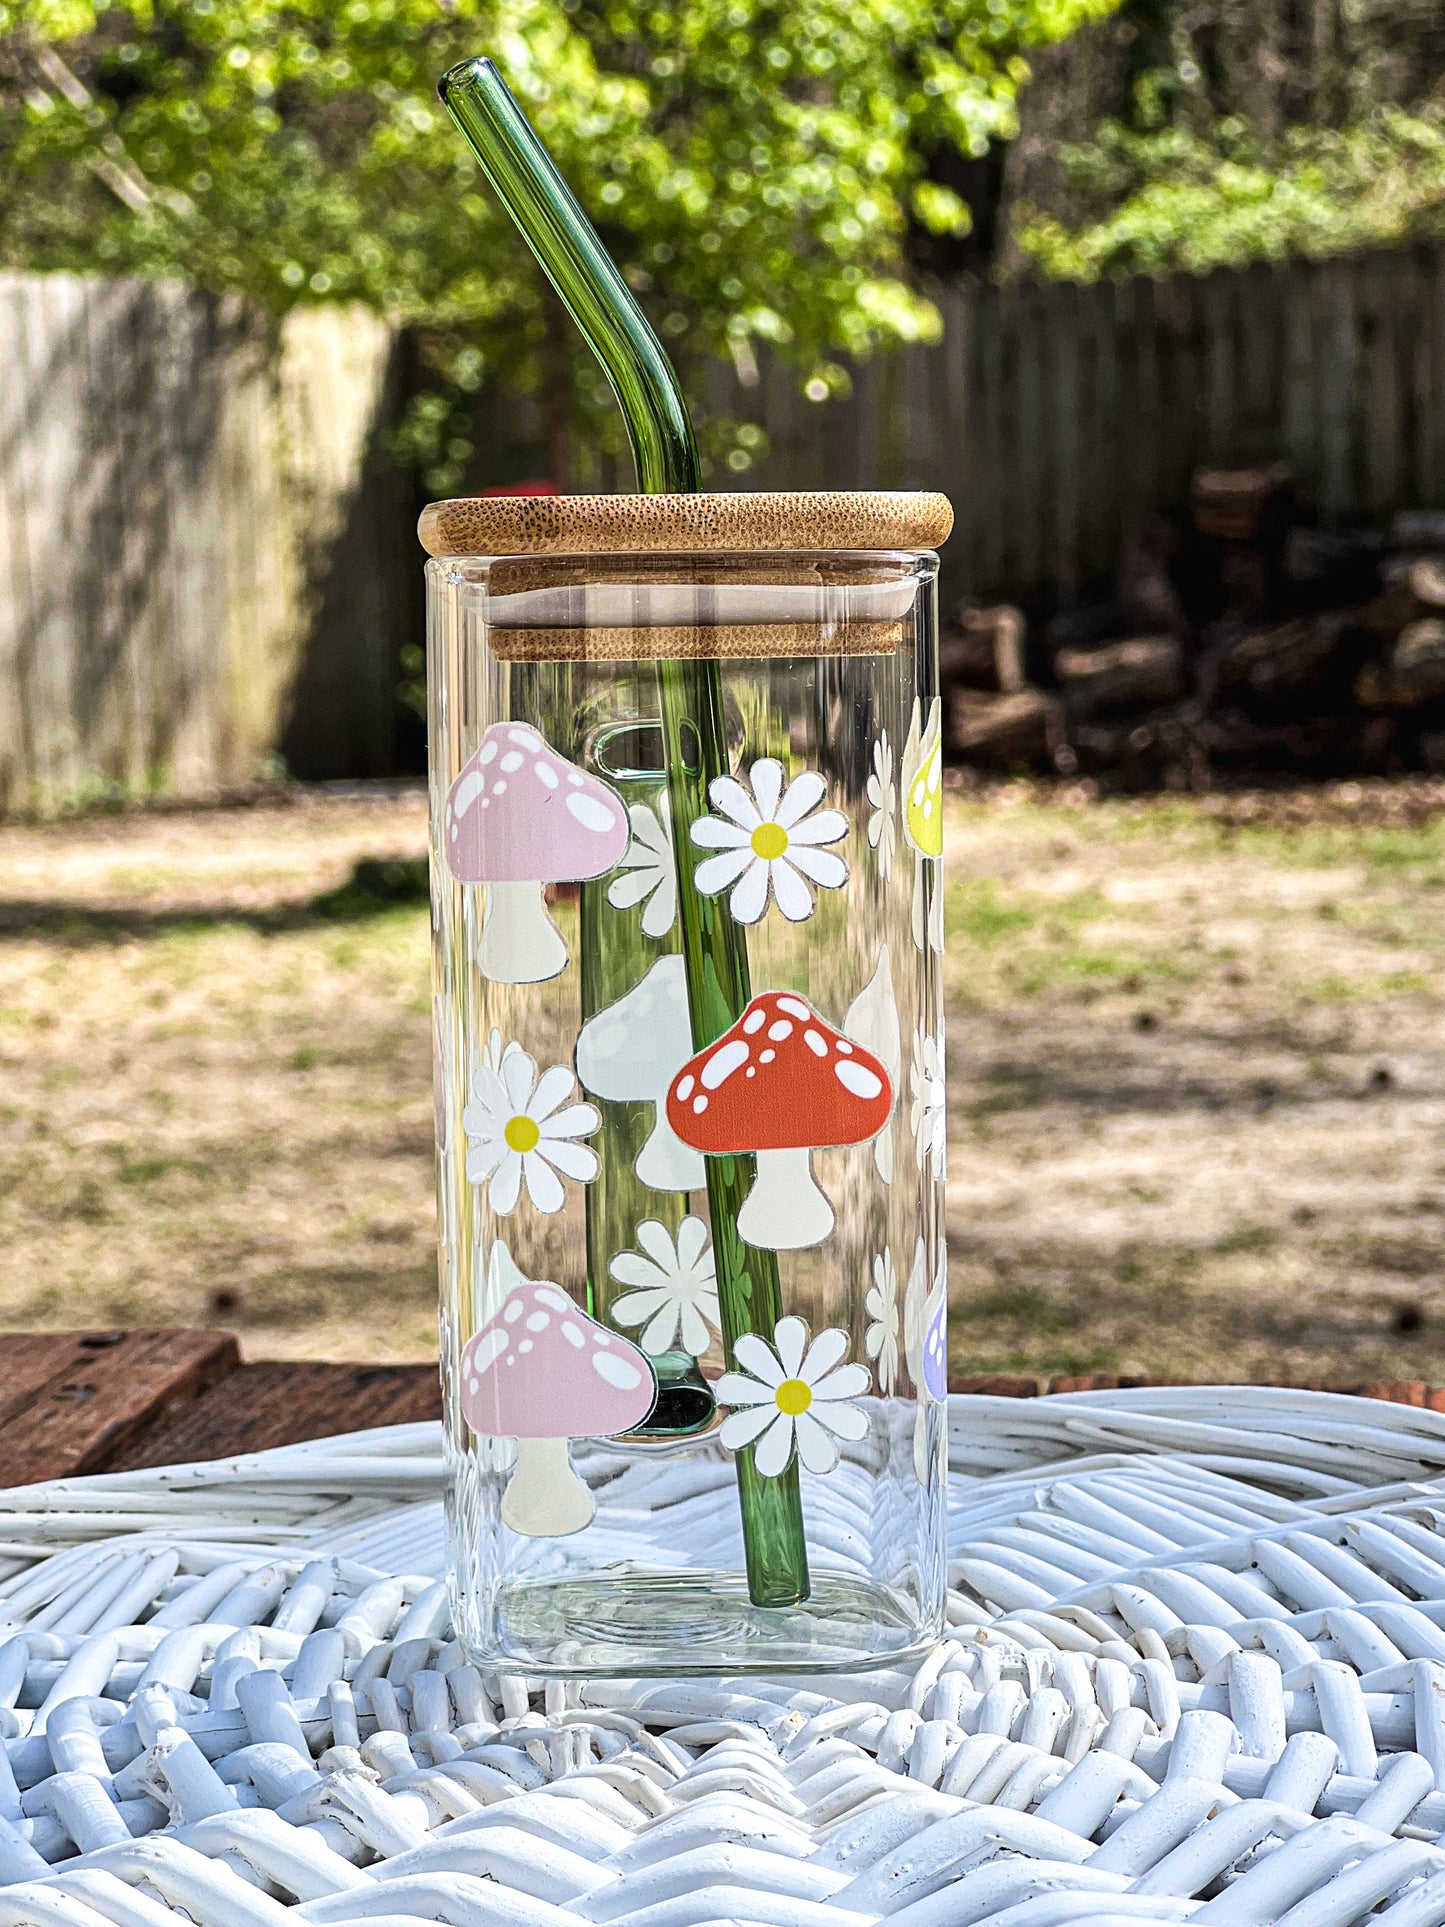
{"points": [[687, 907]]}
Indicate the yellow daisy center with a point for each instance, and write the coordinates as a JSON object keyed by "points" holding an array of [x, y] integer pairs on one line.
{"points": [[769, 841], [794, 1396], [522, 1133]]}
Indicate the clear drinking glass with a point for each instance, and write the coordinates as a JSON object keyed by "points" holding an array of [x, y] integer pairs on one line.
{"points": [[675, 1445]]}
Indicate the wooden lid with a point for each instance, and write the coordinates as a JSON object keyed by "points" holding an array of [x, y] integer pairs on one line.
{"points": [[685, 524]]}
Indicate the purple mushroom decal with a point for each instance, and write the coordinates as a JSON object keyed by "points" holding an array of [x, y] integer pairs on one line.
{"points": [[520, 816], [542, 1372]]}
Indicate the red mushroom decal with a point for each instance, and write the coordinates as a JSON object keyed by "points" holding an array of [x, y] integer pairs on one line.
{"points": [[519, 816], [542, 1372], [780, 1082]]}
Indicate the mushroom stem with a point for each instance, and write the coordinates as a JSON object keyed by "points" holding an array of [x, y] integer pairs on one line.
{"points": [[546, 1499], [785, 1210], [665, 1163], [520, 943]]}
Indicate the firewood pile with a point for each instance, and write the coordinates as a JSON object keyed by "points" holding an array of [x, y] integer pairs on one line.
{"points": [[1241, 642]]}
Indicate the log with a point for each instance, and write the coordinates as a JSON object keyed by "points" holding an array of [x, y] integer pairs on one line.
{"points": [[1286, 657], [1241, 505], [1147, 598], [1418, 529], [1412, 674], [1420, 577], [1142, 673], [986, 650], [1021, 729]]}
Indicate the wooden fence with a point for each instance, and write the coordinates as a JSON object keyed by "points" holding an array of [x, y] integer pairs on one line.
{"points": [[197, 542], [1056, 416], [206, 558]]}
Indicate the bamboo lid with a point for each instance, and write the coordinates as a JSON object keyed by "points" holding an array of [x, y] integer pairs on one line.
{"points": [[746, 523]]}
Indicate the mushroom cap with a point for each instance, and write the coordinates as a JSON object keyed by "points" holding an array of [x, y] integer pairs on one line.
{"points": [[520, 813], [542, 1369], [779, 1079], [630, 1050]]}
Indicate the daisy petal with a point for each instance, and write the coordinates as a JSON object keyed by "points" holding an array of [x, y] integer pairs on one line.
{"points": [[633, 1307], [843, 1421], [695, 1335], [727, 794], [518, 1073], [490, 1093], [554, 1087], [506, 1186], [826, 1350], [660, 914], [750, 898], [828, 871], [754, 1355], [661, 1333], [576, 1161], [735, 1389], [628, 1269], [544, 1187], [815, 1448], [628, 890], [805, 793], [794, 898], [483, 1157], [775, 1448], [847, 1382], [653, 1239], [576, 1121], [741, 1428], [648, 831], [711, 833], [691, 1241], [719, 871], [766, 777], [790, 1336], [828, 826]]}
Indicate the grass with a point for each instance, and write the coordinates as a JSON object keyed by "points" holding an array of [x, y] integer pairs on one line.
{"points": [[1197, 1080]]}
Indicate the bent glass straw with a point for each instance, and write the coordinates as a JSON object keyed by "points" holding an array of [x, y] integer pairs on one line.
{"points": [[567, 249]]}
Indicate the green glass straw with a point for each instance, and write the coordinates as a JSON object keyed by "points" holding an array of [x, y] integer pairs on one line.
{"points": [[574, 260]]}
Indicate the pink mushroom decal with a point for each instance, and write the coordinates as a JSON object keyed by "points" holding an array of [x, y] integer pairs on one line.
{"points": [[542, 1372], [780, 1082], [520, 816]]}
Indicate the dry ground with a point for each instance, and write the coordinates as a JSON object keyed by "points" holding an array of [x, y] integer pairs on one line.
{"points": [[1197, 1052]]}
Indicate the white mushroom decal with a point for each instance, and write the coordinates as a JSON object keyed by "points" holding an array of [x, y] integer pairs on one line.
{"points": [[630, 1052], [517, 817], [780, 1082], [872, 1021], [540, 1371]]}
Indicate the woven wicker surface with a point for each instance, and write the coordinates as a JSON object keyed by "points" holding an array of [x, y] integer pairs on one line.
{"points": [[685, 524], [1195, 1670]]}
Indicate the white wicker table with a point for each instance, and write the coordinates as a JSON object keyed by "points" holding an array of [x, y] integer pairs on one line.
{"points": [[1195, 1670]]}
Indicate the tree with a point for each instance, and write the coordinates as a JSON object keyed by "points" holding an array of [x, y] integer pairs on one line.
{"points": [[1189, 136], [756, 166]]}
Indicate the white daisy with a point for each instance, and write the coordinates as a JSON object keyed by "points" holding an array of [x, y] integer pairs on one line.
{"points": [[929, 1112], [782, 1398], [882, 829], [881, 1339], [516, 1130], [648, 870], [676, 1288], [771, 839]]}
